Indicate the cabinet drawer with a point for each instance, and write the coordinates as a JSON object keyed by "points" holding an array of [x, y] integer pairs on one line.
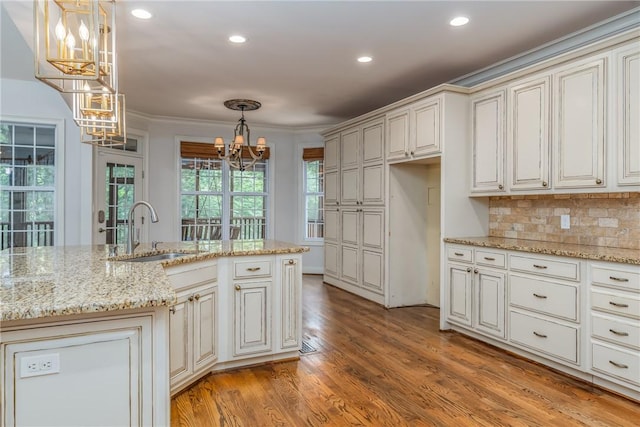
{"points": [[617, 303], [616, 330], [491, 259], [546, 267], [185, 275], [460, 254], [547, 337], [545, 297], [618, 278], [256, 268], [619, 363]]}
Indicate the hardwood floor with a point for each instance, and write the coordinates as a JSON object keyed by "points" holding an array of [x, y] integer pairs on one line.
{"points": [[377, 367]]}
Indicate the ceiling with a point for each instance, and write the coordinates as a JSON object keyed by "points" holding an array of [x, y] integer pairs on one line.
{"points": [[300, 57]]}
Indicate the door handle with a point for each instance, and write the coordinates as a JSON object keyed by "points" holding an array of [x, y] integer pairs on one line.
{"points": [[101, 230]]}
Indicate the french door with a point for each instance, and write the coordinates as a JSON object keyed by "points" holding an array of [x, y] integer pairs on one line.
{"points": [[118, 184]]}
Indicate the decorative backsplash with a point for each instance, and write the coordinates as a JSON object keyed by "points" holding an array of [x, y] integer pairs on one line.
{"points": [[601, 219]]}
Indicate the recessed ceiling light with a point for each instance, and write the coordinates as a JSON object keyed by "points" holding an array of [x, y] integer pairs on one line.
{"points": [[365, 59], [237, 39], [459, 21], [141, 14]]}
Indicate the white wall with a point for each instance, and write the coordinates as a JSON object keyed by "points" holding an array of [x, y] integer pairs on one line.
{"points": [[32, 100]]}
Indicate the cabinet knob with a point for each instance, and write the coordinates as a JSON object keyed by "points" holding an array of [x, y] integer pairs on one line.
{"points": [[291, 261], [172, 310], [475, 270], [337, 209], [468, 269], [337, 202], [238, 287], [191, 298], [412, 153], [501, 187], [598, 181], [197, 297], [544, 183], [406, 154]]}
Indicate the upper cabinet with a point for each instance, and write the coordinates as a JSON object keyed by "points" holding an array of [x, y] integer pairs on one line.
{"points": [[331, 151], [627, 95], [571, 127], [413, 132], [487, 136], [579, 125]]}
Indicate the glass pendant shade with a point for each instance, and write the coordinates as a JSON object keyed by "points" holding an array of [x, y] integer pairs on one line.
{"points": [[105, 131], [75, 43]]}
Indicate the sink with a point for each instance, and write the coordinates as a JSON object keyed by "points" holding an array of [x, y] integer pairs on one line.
{"points": [[158, 257]]}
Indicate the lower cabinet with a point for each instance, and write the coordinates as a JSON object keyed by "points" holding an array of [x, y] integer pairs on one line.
{"points": [[581, 317], [252, 318], [476, 294]]}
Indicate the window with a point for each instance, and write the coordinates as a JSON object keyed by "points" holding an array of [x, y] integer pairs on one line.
{"points": [[219, 202], [27, 184], [313, 180]]}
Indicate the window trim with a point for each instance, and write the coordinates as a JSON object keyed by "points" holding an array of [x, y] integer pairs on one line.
{"points": [[58, 209], [301, 214]]}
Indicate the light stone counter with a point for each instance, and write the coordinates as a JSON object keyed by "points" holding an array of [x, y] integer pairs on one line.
{"points": [[53, 281], [600, 253]]}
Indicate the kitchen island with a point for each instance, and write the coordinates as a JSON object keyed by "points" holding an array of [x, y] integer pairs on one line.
{"points": [[92, 339]]}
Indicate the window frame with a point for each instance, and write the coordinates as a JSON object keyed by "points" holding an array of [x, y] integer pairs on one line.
{"points": [[59, 196], [302, 197]]}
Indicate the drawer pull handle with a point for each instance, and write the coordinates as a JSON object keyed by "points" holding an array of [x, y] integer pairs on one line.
{"points": [[253, 268], [618, 279], [540, 266], [621, 334], [488, 258], [539, 296], [617, 304], [458, 254], [619, 365], [539, 334]]}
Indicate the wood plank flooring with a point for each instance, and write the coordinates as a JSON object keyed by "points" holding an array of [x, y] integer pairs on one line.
{"points": [[377, 367]]}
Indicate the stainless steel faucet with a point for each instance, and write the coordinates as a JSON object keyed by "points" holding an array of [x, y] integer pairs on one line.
{"points": [[131, 243]]}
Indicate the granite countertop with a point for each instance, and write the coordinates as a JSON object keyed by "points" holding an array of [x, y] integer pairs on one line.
{"points": [[600, 253], [58, 280]]}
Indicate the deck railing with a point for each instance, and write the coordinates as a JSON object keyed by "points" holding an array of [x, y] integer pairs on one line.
{"points": [[243, 228]]}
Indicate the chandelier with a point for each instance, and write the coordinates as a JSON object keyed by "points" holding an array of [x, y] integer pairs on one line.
{"points": [[239, 155]]}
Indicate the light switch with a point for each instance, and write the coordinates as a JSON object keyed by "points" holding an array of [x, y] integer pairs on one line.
{"points": [[565, 222]]}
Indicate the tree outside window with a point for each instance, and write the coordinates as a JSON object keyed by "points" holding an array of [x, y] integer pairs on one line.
{"points": [[314, 199]]}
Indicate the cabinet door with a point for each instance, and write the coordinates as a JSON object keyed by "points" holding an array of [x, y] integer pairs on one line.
{"points": [[252, 318], [350, 264], [490, 302], [290, 304], [331, 188], [628, 111], [350, 186], [426, 139], [350, 148], [397, 124], [372, 271], [180, 333], [204, 327], [529, 135], [488, 132], [331, 224], [373, 142], [459, 282], [350, 226], [331, 152], [373, 229], [331, 254], [373, 184], [579, 126]]}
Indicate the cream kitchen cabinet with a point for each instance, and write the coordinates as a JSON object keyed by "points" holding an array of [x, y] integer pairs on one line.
{"points": [[332, 153], [414, 132], [488, 141], [627, 95], [290, 304], [476, 289], [529, 138], [193, 330], [615, 323], [579, 124]]}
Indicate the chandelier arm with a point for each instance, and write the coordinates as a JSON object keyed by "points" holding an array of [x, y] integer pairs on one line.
{"points": [[254, 156]]}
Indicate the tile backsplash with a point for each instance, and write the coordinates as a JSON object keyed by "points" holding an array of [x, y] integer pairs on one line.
{"points": [[601, 219]]}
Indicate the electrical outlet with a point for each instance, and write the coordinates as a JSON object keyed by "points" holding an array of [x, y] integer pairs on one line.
{"points": [[565, 222], [42, 364]]}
